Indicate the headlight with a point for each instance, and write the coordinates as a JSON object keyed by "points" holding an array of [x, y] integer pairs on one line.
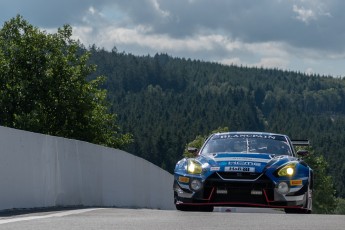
{"points": [[287, 170], [194, 167]]}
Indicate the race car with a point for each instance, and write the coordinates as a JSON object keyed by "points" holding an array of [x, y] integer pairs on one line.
{"points": [[245, 169]]}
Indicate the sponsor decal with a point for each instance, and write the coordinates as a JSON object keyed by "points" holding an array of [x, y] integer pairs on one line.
{"points": [[242, 159], [246, 163], [225, 136], [250, 136], [295, 182], [214, 168], [183, 179]]}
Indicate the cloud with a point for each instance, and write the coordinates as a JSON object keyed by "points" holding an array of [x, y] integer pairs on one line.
{"points": [[309, 71], [299, 23], [272, 62], [163, 13], [249, 21], [265, 32], [305, 15], [214, 46], [142, 35], [50, 13], [231, 61]]}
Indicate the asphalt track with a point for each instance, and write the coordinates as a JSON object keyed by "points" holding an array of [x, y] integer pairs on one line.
{"points": [[145, 219]]}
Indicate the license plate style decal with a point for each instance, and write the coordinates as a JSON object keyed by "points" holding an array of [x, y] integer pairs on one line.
{"points": [[239, 169]]}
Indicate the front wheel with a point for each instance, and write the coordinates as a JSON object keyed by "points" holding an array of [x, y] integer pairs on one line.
{"points": [[194, 208], [305, 210], [297, 211], [308, 203], [191, 208]]}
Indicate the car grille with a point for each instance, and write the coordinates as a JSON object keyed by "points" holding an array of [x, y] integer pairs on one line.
{"points": [[237, 190]]}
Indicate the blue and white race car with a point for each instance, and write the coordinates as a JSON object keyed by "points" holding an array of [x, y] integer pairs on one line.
{"points": [[242, 169]]}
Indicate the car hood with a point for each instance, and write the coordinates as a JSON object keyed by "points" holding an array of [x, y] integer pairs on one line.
{"points": [[242, 162]]}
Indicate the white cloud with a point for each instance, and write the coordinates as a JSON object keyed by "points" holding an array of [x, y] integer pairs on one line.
{"points": [[310, 10], [231, 61], [276, 49], [269, 54], [309, 71], [141, 36], [273, 62], [305, 15], [92, 10], [157, 7]]}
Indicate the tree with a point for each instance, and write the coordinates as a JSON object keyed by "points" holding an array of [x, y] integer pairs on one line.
{"points": [[324, 200], [199, 141], [340, 209], [43, 86], [196, 96]]}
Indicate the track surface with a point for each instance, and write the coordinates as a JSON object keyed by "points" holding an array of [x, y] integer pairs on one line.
{"points": [[144, 219]]}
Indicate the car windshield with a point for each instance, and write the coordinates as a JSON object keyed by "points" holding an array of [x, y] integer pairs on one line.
{"points": [[277, 145]]}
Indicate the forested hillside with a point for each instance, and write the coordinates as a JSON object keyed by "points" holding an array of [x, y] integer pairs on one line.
{"points": [[165, 102]]}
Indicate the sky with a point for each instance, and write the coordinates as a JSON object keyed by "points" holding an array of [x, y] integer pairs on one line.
{"points": [[306, 36]]}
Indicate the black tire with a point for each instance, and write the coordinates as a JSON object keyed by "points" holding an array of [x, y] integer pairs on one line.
{"points": [[191, 208], [296, 211], [206, 208], [194, 208]]}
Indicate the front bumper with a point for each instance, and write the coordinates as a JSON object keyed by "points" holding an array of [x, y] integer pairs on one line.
{"points": [[251, 191]]}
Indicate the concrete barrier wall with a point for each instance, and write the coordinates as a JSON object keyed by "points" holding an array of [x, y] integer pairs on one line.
{"points": [[43, 171]]}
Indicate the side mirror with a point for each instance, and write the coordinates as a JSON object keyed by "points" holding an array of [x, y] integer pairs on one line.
{"points": [[193, 150], [302, 153]]}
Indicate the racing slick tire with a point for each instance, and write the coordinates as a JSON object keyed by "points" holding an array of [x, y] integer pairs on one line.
{"points": [[194, 208]]}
